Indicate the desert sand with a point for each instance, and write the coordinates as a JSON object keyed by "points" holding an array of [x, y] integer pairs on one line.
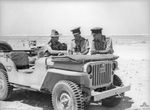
{"points": [[134, 69]]}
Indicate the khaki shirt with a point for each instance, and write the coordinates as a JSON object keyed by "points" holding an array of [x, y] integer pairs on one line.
{"points": [[58, 46], [105, 44], [79, 45], [54, 47]]}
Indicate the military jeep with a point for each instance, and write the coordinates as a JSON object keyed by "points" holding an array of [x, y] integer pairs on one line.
{"points": [[73, 80]]}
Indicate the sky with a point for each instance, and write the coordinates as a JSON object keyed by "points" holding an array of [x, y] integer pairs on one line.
{"points": [[39, 17]]}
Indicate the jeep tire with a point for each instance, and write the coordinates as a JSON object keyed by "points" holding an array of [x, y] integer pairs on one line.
{"points": [[66, 95], [114, 100], [4, 46], [5, 87]]}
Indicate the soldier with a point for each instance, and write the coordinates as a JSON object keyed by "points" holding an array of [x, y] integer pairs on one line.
{"points": [[79, 45], [54, 47], [100, 44]]}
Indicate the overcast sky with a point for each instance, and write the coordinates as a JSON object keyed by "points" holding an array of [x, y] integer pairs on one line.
{"points": [[34, 17]]}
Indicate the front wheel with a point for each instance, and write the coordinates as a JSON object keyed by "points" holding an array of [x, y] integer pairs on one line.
{"points": [[5, 87], [66, 95], [114, 100]]}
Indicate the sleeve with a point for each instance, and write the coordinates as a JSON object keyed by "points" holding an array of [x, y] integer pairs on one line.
{"points": [[47, 47], [109, 45], [63, 46], [43, 49], [85, 48], [92, 48], [70, 47], [87, 44]]}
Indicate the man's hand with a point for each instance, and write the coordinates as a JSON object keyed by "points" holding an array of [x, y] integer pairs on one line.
{"points": [[77, 53], [60, 54], [103, 51]]}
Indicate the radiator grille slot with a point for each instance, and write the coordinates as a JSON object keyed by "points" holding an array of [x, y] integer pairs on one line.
{"points": [[101, 74]]}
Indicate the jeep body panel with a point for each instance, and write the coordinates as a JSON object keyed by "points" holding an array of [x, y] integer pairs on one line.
{"points": [[55, 75], [91, 81], [25, 77], [41, 77]]}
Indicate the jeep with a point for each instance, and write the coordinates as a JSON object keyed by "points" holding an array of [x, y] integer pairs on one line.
{"points": [[73, 80]]}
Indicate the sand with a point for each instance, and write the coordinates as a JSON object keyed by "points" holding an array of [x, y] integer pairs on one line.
{"points": [[134, 69]]}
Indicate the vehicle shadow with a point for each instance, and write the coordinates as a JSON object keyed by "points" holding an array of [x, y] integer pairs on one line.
{"points": [[43, 101], [33, 99], [125, 104]]}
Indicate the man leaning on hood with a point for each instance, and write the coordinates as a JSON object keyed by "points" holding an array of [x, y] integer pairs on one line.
{"points": [[79, 45], [100, 43], [53, 47]]}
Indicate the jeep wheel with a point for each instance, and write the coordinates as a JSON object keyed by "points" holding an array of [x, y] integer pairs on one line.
{"points": [[66, 95], [4, 46], [114, 100], [5, 87]]}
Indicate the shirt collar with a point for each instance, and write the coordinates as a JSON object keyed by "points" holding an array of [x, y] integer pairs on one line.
{"points": [[50, 42], [103, 39], [81, 38]]}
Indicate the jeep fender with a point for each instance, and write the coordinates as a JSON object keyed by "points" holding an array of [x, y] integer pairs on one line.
{"points": [[67, 73], [2, 66], [6, 63], [55, 75]]}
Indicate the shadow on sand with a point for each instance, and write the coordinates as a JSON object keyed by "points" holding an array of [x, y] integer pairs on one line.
{"points": [[31, 98], [43, 101], [125, 104]]}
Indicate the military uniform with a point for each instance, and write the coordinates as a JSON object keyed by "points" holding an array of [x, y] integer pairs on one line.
{"points": [[57, 46], [80, 44], [103, 44]]}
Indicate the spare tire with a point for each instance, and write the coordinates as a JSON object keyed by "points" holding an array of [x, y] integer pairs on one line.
{"points": [[4, 46]]}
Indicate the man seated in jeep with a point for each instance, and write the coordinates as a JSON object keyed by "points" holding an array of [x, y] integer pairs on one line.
{"points": [[53, 47], [79, 45], [100, 44]]}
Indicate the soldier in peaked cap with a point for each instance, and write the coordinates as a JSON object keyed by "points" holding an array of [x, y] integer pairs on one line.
{"points": [[100, 44], [79, 45], [54, 47]]}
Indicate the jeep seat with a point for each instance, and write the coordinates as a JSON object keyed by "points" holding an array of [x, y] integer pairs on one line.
{"points": [[20, 59]]}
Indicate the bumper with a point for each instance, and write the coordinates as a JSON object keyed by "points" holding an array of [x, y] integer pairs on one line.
{"points": [[101, 95]]}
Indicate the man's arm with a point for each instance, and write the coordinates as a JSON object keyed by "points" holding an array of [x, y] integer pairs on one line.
{"points": [[92, 48], [86, 51], [54, 52], [70, 48], [103, 51], [109, 47]]}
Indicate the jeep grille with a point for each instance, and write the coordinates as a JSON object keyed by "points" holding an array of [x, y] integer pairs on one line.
{"points": [[101, 74]]}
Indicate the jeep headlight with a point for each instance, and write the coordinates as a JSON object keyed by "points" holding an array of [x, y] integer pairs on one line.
{"points": [[89, 69], [114, 65]]}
